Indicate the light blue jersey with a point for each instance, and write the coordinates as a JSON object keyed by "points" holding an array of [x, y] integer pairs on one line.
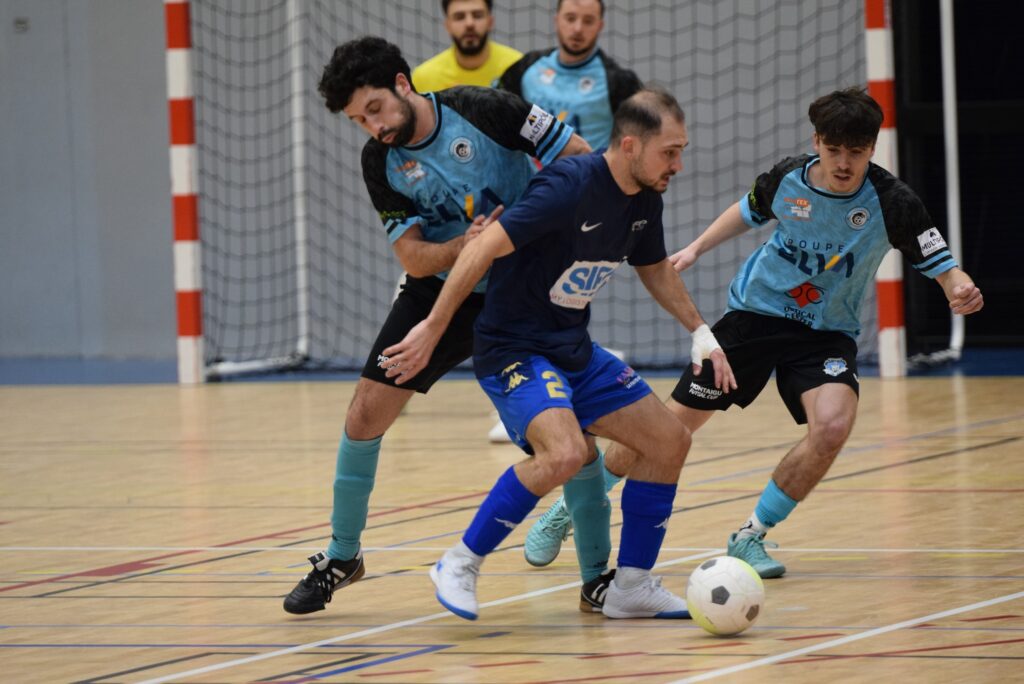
{"points": [[583, 95], [825, 248], [477, 157]]}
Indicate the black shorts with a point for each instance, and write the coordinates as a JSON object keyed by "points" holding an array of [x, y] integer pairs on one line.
{"points": [[412, 305], [802, 358]]}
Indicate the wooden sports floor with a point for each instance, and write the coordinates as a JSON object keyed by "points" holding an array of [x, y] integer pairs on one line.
{"points": [[149, 533]]}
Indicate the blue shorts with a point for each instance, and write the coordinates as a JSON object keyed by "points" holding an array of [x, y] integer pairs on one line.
{"points": [[527, 387]]}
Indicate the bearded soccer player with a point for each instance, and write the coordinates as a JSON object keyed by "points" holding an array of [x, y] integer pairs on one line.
{"points": [[473, 58], [434, 166]]}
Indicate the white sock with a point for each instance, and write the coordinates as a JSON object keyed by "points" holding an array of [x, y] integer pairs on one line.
{"points": [[627, 578], [460, 550], [752, 528]]}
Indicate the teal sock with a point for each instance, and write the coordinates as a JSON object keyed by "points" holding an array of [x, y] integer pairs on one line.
{"points": [[591, 517], [610, 478], [774, 505], [353, 482]]}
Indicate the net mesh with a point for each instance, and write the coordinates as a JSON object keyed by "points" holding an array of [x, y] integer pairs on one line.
{"points": [[295, 261]]}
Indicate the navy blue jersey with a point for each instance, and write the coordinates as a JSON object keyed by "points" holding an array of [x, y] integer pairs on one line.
{"points": [[477, 157], [571, 229], [583, 95], [825, 248]]}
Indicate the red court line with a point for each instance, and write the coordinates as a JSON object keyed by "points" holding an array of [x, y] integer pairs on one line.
{"points": [[882, 654], [142, 563], [811, 636], [513, 662], [624, 675], [994, 617], [704, 648]]}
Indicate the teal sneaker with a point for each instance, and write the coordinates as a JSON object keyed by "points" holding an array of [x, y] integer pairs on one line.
{"points": [[751, 550], [544, 540]]}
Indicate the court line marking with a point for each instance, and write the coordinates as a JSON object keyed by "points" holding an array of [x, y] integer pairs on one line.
{"points": [[769, 660], [390, 627]]}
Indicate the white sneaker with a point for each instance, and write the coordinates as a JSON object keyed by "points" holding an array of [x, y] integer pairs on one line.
{"points": [[498, 434], [645, 600], [455, 578]]}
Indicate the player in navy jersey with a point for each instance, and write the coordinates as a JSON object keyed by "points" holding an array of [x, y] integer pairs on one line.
{"points": [[579, 220], [576, 81], [434, 166], [794, 304]]}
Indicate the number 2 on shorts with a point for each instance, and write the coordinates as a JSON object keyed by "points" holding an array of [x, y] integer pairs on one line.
{"points": [[555, 386]]}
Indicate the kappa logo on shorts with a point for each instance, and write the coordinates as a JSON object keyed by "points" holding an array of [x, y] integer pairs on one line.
{"points": [[704, 392], [512, 377], [835, 367]]}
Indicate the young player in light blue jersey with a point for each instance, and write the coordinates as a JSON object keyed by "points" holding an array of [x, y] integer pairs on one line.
{"points": [[434, 167], [794, 304], [579, 220]]}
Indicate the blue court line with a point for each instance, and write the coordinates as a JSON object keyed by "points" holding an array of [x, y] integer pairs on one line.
{"points": [[370, 663]]}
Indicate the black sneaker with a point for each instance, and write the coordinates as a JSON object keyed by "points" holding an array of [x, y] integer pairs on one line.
{"points": [[314, 591], [592, 593]]}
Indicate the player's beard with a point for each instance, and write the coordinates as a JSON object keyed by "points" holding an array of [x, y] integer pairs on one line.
{"points": [[577, 53], [404, 133], [472, 50], [646, 183]]}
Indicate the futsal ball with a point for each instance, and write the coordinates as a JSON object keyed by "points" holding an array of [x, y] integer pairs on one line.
{"points": [[725, 595]]}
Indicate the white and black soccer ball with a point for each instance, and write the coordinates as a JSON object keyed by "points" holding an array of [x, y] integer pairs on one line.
{"points": [[725, 595]]}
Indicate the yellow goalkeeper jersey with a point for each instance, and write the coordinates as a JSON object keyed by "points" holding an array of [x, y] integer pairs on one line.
{"points": [[443, 71]]}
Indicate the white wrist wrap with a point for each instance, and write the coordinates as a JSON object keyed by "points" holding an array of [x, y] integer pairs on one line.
{"points": [[704, 343]]}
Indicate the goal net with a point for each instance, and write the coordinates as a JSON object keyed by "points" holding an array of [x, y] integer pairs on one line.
{"points": [[297, 271]]}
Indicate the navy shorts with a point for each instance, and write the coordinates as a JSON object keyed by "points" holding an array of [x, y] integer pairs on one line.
{"points": [[803, 358], [525, 388]]}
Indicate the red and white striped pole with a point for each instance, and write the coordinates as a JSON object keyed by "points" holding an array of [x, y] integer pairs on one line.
{"points": [[892, 338], [184, 177]]}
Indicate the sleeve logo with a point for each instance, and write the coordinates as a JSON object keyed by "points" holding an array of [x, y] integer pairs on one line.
{"points": [[536, 125], [931, 241]]}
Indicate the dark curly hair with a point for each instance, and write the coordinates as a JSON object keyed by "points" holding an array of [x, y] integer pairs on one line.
{"points": [[367, 61], [847, 117]]}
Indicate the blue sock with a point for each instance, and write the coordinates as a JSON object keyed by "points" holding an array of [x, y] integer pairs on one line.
{"points": [[774, 505], [646, 509], [505, 507], [591, 517], [353, 482]]}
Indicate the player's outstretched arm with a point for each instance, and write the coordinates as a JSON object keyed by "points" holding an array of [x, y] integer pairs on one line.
{"points": [[410, 356], [576, 145], [963, 295], [727, 226], [668, 290]]}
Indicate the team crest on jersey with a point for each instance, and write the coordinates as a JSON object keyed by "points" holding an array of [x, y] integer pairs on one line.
{"points": [[547, 77], [513, 377], [931, 241], [858, 218], [799, 208], [462, 150], [586, 84], [835, 367]]}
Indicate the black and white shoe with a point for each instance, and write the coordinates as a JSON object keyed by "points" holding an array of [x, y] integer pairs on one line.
{"points": [[592, 593], [314, 591]]}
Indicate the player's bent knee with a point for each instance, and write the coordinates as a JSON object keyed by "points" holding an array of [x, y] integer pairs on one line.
{"points": [[831, 435]]}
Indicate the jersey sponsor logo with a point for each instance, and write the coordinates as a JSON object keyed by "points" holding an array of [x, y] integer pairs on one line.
{"points": [[811, 262], [412, 171], [931, 241], [638, 225], [537, 123], [835, 367], [586, 84], [858, 218], [704, 392], [799, 208], [807, 294], [547, 77], [587, 227], [628, 378], [462, 150], [580, 282]]}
